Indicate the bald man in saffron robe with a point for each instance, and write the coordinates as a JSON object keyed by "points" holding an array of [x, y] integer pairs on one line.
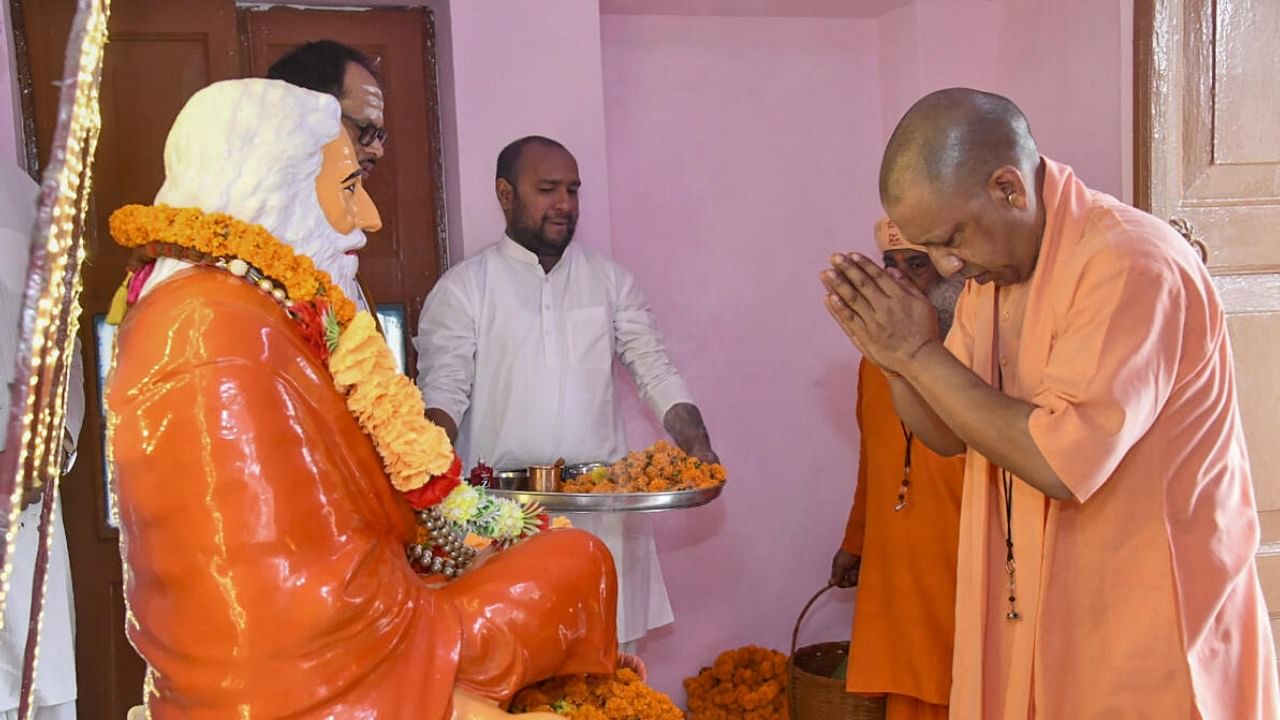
{"points": [[900, 541], [1108, 523]]}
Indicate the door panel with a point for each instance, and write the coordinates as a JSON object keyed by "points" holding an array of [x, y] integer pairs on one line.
{"points": [[1207, 143], [1208, 151]]}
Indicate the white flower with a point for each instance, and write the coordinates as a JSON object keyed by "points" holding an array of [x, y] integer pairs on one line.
{"points": [[460, 506], [508, 521]]}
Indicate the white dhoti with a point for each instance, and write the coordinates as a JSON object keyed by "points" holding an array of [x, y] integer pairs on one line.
{"points": [[56, 671], [61, 711], [642, 594]]}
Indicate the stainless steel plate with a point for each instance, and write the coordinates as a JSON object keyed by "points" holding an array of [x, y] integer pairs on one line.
{"points": [[615, 502]]}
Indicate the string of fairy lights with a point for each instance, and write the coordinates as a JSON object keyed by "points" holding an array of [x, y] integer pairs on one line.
{"points": [[57, 283]]}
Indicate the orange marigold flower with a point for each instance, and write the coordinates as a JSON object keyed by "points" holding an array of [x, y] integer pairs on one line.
{"points": [[747, 682], [621, 696], [660, 468]]}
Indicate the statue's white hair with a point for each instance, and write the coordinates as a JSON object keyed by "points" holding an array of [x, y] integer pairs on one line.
{"points": [[252, 149]]}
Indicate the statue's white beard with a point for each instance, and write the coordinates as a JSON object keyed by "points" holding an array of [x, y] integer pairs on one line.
{"points": [[304, 227], [328, 249]]}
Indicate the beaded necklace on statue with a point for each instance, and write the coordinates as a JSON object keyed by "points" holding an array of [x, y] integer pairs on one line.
{"points": [[454, 518]]}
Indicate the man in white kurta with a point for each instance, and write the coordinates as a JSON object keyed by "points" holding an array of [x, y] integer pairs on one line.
{"points": [[516, 349], [55, 687]]}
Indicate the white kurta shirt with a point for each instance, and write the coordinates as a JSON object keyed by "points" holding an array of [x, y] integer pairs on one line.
{"points": [[522, 360]]}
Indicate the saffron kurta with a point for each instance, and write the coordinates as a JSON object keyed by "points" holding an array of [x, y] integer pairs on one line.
{"points": [[1139, 595], [263, 545], [904, 621]]}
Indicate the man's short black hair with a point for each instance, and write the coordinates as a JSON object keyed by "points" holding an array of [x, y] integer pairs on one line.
{"points": [[509, 158], [320, 66]]}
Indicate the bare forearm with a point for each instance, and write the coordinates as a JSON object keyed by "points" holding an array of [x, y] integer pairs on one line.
{"points": [[982, 417], [444, 420], [922, 420], [684, 423]]}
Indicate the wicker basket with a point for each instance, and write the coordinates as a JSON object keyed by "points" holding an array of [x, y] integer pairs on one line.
{"points": [[814, 694]]}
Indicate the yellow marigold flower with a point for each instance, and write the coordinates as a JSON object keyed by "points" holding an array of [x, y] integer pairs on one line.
{"points": [[436, 447], [361, 353], [388, 406]]}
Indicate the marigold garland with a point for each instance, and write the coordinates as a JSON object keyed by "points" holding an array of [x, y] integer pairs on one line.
{"points": [[220, 235], [437, 488], [388, 407], [748, 683], [416, 453], [621, 696]]}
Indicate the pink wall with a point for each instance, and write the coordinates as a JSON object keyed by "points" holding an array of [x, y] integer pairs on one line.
{"points": [[928, 46], [1068, 65], [742, 153]]}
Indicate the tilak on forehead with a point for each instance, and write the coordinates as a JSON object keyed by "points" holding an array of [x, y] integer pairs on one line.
{"points": [[375, 96], [373, 105], [889, 237]]}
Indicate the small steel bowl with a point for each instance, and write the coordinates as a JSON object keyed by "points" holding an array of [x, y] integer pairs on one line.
{"points": [[512, 479], [580, 469]]}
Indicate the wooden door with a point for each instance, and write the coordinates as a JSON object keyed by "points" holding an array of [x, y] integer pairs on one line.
{"points": [[401, 262], [1207, 138], [160, 53]]}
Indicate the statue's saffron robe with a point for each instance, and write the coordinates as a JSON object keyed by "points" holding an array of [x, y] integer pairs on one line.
{"points": [[264, 547]]}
